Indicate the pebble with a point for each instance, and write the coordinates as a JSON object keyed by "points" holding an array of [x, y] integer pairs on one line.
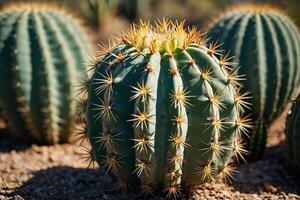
{"points": [[18, 197], [294, 196], [270, 188]]}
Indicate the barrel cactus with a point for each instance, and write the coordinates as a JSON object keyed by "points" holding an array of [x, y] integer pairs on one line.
{"points": [[266, 44], [41, 54], [163, 110], [293, 134]]}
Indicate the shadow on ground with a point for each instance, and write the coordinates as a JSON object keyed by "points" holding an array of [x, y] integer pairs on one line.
{"points": [[271, 174], [65, 183], [8, 144], [268, 178], [268, 175]]}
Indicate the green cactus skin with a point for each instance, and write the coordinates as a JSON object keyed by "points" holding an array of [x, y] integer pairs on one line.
{"points": [[293, 135], [42, 51], [266, 44], [163, 111]]}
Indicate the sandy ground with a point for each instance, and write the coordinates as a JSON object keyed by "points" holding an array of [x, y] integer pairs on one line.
{"points": [[57, 172]]}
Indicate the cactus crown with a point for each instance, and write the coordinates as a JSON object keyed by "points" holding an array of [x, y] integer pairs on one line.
{"points": [[45, 6], [253, 8], [29, 6], [165, 36]]}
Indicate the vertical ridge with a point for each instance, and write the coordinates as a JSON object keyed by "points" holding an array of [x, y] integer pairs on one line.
{"points": [[297, 37], [44, 92], [125, 76], [273, 61], [262, 63], [234, 39], [144, 119], [292, 69], [284, 42], [8, 62], [7, 21], [162, 108], [77, 42], [296, 53], [198, 70], [247, 59], [258, 143], [176, 99], [22, 74], [221, 31], [255, 67], [64, 63]]}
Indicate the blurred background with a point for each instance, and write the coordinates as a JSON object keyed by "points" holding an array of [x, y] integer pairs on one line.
{"points": [[105, 17]]}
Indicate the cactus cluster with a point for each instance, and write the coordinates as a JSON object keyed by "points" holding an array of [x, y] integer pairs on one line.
{"points": [[163, 110], [293, 134], [133, 9], [42, 51], [266, 44]]}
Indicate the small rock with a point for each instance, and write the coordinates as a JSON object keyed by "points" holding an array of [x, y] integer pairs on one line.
{"points": [[18, 197], [52, 157], [226, 194], [106, 197], [36, 148], [270, 188], [294, 196]]}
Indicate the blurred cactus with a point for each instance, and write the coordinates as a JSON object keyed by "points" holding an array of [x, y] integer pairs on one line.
{"points": [[133, 9], [293, 10], [266, 43], [293, 135], [162, 109], [96, 11], [42, 50]]}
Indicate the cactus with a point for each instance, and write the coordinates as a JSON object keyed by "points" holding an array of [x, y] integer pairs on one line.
{"points": [[41, 54], [133, 9], [97, 12], [293, 134], [163, 110], [265, 42]]}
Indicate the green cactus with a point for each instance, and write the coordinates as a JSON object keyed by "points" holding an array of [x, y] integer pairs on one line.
{"points": [[163, 110], [42, 51], [266, 44], [293, 134]]}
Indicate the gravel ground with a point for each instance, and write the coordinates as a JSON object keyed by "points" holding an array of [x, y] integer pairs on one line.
{"points": [[57, 172]]}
